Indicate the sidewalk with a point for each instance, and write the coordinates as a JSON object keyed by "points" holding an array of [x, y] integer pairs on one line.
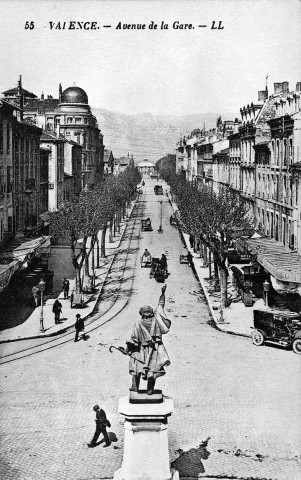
{"points": [[30, 328], [237, 319]]}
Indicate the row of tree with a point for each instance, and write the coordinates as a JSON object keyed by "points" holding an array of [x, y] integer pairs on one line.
{"points": [[211, 217], [82, 218]]}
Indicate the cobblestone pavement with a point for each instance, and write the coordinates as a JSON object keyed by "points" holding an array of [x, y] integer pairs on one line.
{"points": [[237, 407]]}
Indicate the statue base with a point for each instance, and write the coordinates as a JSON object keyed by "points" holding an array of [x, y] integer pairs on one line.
{"points": [[142, 397], [146, 455]]}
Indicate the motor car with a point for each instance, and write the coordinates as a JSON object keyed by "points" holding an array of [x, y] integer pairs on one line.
{"points": [[158, 189], [146, 225], [280, 327]]}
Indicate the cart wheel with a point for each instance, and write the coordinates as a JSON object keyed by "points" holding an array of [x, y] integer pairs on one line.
{"points": [[257, 338], [297, 346]]}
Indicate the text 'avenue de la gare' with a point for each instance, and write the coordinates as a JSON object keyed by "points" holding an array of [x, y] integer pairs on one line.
{"points": [[162, 25]]}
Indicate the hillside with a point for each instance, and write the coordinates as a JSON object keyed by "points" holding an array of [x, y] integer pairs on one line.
{"points": [[146, 135]]}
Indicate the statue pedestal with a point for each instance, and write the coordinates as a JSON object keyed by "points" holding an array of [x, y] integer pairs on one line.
{"points": [[146, 455]]}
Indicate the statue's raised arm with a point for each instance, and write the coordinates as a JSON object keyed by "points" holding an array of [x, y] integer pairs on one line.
{"points": [[162, 296]]}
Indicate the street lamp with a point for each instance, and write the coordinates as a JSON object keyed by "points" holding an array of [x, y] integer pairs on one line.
{"points": [[160, 228], [266, 288], [41, 288]]}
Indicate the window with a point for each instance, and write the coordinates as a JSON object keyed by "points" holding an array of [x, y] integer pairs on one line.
{"points": [[7, 138], [2, 186], [78, 120], [69, 120], [1, 137], [9, 179]]}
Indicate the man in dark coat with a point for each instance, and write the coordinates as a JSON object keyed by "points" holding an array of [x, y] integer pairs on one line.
{"points": [[101, 427], [66, 286], [79, 326], [57, 309]]}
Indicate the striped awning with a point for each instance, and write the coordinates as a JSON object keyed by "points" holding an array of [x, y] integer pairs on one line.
{"points": [[281, 262]]}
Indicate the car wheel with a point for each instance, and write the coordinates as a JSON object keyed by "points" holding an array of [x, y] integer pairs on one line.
{"points": [[257, 338], [297, 346]]}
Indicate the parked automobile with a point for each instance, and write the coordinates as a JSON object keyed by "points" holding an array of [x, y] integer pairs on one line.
{"points": [[278, 327]]}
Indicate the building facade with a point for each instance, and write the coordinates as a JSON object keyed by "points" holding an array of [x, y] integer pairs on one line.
{"points": [[20, 200]]}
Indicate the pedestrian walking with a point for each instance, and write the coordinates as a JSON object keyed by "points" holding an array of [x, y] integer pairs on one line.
{"points": [[36, 294], [101, 427], [79, 326], [191, 241], [57, 310], [189, 258], [66, 286]]}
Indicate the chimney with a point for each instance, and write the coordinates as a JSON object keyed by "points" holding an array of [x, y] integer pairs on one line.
{"points": [[42, 96], [281, 87], [60, 92], [20, 96], [262, 95], [298, 86]]}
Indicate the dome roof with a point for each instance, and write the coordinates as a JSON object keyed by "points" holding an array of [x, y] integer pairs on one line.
{"points": [[145, 163], [74, 95]]}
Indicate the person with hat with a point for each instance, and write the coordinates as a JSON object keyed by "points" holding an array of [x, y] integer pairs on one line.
{"points": [[79, 326], [57, 310], [101, 427], [66, 286], [146, 259], [148, 356]]}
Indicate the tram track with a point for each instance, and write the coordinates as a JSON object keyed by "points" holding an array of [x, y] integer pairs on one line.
{"points": [[90, 321]]}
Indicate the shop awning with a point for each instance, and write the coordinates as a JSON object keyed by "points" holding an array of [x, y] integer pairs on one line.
{"points": [[6, 272], [278, 260], [34, 246]]}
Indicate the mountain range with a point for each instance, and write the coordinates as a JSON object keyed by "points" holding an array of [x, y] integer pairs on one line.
{"points": [[150, 136]]}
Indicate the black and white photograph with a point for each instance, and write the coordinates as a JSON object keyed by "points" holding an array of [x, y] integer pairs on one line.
{"points": [[150, 239]]}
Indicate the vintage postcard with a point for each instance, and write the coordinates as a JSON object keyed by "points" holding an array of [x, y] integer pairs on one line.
{"points": [[150, 239]]}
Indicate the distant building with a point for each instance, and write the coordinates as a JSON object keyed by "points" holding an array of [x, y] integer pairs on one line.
{"points": [[121, 163], [108, 162], [70, 115], [55, 170], [146, 168]]}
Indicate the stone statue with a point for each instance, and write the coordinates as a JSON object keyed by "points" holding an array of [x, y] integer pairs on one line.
{"points": [[145, 347]]}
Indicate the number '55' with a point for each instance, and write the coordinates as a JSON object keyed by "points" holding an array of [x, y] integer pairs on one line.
{"points": [[29, 25]]}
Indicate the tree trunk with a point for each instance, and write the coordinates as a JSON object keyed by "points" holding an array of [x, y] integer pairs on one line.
{"points": [[223, 285], [111, 230], [97, 252], [114, 223], [205, 261], [210, 260], [86, 264], [103, 241]]}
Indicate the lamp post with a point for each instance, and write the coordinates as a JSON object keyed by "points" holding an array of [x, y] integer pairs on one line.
{"points": [[266, 288], [160, 228], [42, 288]]}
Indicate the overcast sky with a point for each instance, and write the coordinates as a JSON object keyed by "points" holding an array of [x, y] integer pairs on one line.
{"points": [[158, 71]]}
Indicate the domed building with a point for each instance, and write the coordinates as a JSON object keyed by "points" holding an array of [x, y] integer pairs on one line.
{"points": [[70, 117], [146, 168], [74, 95]]}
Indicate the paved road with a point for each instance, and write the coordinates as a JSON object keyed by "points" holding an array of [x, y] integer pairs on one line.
{"points": [[237, 407]]}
